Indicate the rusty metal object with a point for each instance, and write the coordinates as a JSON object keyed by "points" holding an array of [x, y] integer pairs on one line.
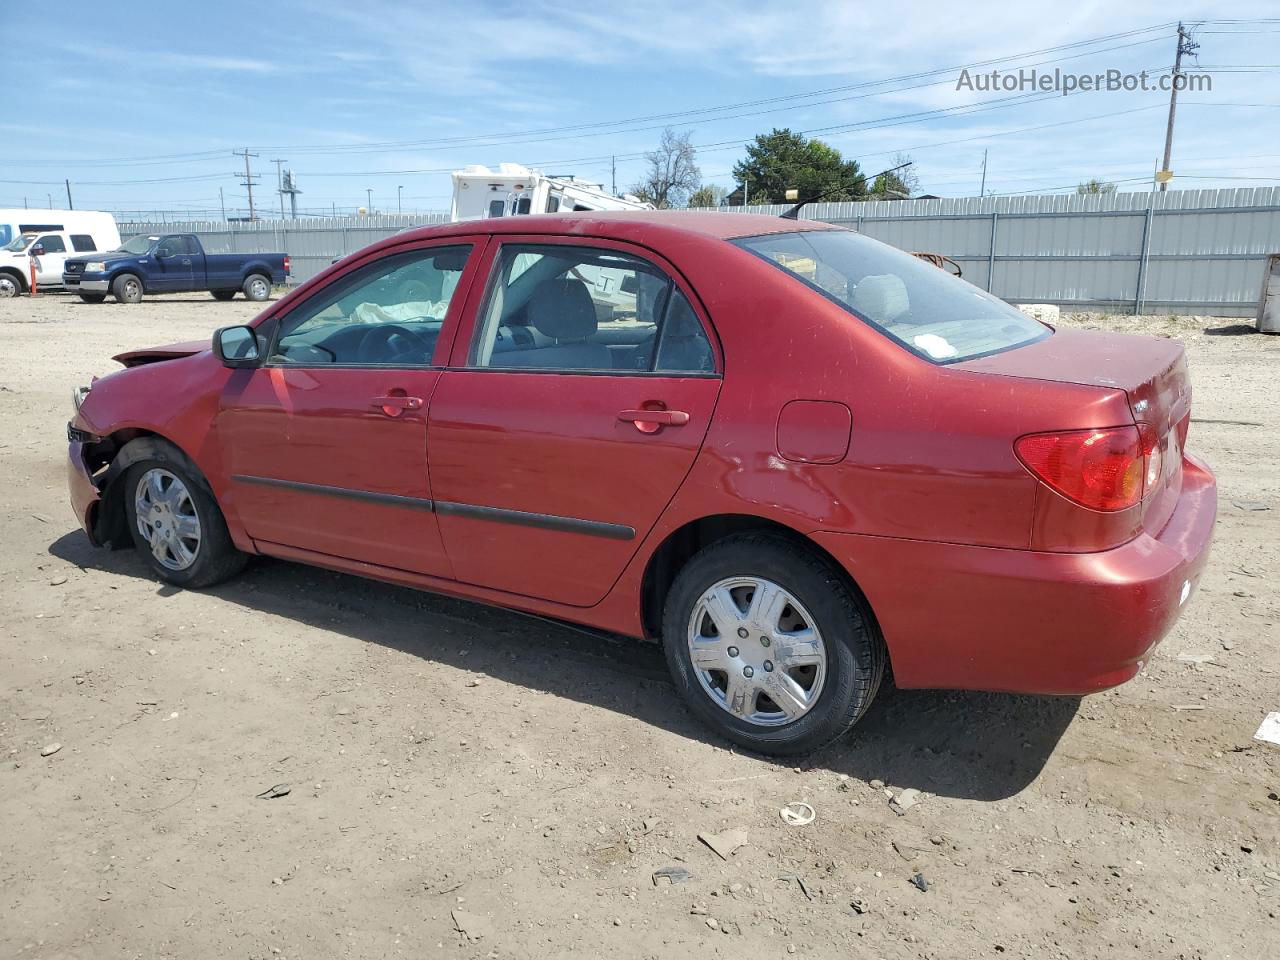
{"points": [[944, 263]]}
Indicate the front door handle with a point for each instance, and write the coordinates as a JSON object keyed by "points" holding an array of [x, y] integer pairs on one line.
{"points": [[651, 421], [396, 404]]}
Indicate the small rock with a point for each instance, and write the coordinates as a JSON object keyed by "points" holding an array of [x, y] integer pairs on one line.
{"points": [[698, 910], [50, 749], [473, 682], [859, 906], [711, 922], [920, 883], [905, 800], [877, 784], [57, 581], [1250, 505], [274, 793], [671, 875], [724, 844]]}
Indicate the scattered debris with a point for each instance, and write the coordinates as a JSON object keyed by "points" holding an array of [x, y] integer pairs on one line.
{"points": [[876, 784], [905, 800], [904, 851], [473, 682], [472, 926], [1269, 729], [798, 881], [724, 844], [1188, 706], [797, 814], [57, 581], [273, 793], [920, 883], [50, 749], [671, 875], [859, 906], [1197, 658], [1250, 505]]}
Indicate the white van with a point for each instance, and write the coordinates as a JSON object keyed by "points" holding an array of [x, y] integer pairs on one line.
{"points": [[49, 237]]}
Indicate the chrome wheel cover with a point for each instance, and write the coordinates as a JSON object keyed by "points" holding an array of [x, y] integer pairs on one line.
{"points": [[8, 286], [756, 651], [259, 289], [167, 518]]}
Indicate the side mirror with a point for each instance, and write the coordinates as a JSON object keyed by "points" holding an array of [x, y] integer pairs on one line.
{"points": [[36, 251], [236, 347]]}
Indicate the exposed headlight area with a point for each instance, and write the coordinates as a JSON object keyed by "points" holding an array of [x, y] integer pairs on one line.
{"points": [[95, 266]]}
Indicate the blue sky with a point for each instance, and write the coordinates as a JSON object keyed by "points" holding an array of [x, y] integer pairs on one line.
{"points": [[377, 94]]}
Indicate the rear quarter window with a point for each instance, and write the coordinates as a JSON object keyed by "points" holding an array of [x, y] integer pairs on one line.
{"points": [[82, 243], [922, 308]]}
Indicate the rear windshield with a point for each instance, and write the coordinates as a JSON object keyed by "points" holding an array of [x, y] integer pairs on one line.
{"points": [[933, 314]]}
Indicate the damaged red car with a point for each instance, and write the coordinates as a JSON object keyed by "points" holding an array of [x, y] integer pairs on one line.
{"points": [[794, 455]]}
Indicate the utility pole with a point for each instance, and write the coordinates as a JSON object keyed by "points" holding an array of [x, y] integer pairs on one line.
{"points": [[744, 191], [291, 188], [399, 209], [982, 192], [223, 204], [280, 183], [70, 205], [248, 177], [49, 197], [1185, 46], [368, 206], [613, 174]]}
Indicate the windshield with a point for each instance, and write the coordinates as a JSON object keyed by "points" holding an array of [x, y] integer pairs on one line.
{"points": [[933, 314], [138, 244], [20, 242]]}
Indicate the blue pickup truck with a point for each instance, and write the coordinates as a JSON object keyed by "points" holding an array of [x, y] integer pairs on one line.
{"points": [[172, 263]]}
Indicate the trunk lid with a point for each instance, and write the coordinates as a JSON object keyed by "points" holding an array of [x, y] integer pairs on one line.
{"points": [[1151, 371]]}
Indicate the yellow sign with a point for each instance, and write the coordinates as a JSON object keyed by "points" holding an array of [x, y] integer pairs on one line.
{"points": [[1164, 176], [793, 194]]}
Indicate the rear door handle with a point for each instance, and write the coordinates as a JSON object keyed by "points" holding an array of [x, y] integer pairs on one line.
{"points": [[396, 404], [650, 421]]}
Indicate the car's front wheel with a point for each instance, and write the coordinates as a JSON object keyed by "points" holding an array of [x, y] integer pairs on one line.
{"points": [[770, 645], [127, 288], [176, 523]]}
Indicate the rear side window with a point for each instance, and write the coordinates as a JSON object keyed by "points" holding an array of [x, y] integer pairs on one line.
{"points": [[567, 308], [52, 244], [82, 243], [933, 314]]}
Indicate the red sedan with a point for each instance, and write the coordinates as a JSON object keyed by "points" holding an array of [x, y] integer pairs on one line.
{"points": [[794, 454]]}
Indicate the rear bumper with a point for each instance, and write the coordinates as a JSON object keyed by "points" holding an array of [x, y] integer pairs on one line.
{"points": [[1020, 621]]}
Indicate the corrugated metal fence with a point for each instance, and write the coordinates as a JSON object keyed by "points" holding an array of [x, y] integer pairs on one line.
{"points": [[1182, 252]]}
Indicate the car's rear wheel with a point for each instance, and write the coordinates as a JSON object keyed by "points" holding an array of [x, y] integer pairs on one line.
{"points": [[127, 288], [770, 645], [175, 522], [257, 288], [223, 294], [10, 286], [93, 297]]}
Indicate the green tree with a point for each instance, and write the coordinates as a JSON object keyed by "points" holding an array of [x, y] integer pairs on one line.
{"points": [[710, 195], [1095, 186], [782, 160]]}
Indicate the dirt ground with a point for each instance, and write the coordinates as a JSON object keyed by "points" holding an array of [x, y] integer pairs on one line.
{"points": [[457, 766]]}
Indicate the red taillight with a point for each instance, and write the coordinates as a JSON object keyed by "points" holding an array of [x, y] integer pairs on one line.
{"points": [[286, 264], [1098, 469]]}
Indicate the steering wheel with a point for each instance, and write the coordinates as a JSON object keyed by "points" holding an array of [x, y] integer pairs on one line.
{"points": [[390, 342]]}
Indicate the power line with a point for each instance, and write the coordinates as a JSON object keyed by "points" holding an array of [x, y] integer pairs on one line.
{"points": [[248, 177]]}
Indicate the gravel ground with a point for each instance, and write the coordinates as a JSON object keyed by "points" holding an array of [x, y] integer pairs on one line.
{"points": [[453, 766]]}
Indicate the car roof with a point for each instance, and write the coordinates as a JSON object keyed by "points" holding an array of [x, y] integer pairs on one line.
{"points": [[635, 225]]}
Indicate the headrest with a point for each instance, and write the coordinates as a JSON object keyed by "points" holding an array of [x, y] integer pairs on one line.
{"points": [[562, 310], [881, 298]]}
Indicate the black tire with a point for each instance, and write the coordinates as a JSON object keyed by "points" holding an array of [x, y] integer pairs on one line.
{"points": [[93, 297], [11, 284], [855, 652], [257, 287], [223, 294], [215, 557], [127, 288]]}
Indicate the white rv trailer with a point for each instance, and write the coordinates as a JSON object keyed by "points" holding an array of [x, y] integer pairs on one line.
{"points": [[512, 190]]}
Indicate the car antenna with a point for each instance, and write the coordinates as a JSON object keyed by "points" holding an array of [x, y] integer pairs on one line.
{"points": [[794, 212]]}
